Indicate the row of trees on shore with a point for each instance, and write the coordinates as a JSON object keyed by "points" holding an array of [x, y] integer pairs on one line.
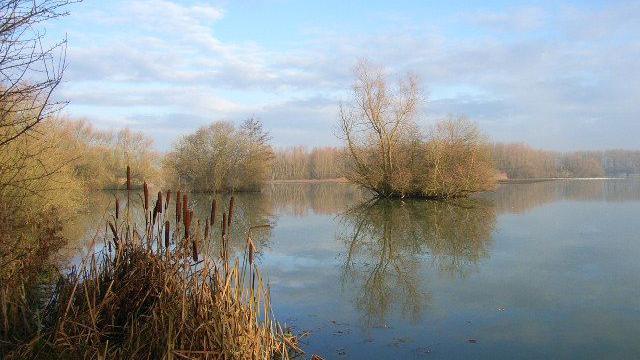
{"points": [[300, 163], [520, 161], [511, 160], [226, 157]]}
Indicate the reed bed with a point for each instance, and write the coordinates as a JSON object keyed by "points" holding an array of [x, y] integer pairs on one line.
{"points": [[149, 294]]}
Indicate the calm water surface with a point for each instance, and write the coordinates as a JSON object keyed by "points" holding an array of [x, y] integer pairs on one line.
{"points": [[541, 270]]}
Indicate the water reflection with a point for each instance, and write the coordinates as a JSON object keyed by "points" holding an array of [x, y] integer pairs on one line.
{"points": [[518, 198], [387, 243], [250, 210], [300, 199]]}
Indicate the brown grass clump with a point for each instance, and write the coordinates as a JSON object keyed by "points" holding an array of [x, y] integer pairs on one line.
{"points": [[28, 247], [153, 296]]}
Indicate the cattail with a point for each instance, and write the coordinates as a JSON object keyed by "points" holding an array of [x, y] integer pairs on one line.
{"points": [[167, 200], [155, 213], [223, 250], [128, 193], [224, 224], [185, 204], [178, 208], [128, 178], [159, 205], [117, 208], [187, 223], [146, 196], [231, 203], [115, 233], [212, 219], [251, 250], [206, 230], [194, 245], [166, 234]]}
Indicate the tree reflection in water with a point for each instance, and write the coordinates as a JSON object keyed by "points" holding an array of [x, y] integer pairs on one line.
{"points": [[388, 241]]}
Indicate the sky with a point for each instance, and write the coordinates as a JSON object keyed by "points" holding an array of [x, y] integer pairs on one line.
{"points": [[557, 75]]}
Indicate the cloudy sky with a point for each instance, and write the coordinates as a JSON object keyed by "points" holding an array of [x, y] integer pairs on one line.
{"points": [[556, 75]]}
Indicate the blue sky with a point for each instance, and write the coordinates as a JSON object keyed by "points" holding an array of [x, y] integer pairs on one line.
{"points": [[558, 75]]}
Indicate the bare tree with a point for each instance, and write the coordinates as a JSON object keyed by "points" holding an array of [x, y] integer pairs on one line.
{"points": [[221, 157], [386, 153], [375, 124], [30, 69]]}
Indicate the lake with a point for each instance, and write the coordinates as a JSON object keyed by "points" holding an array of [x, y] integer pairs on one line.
{"points": [[539, 270]]}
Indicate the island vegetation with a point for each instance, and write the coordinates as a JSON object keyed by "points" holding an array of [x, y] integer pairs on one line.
{"points": [[388, 154]]}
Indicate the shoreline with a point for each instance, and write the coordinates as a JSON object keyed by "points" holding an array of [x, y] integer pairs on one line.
{"points": [[535, 180], [309, 181]]}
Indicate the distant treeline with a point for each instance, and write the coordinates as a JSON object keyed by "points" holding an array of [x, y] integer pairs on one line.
{"points": [[223, 157], [521, 161], [300, 163], [515, 161]]}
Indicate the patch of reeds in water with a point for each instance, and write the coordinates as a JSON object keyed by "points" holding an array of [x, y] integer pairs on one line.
{"points": [[152, 295]]}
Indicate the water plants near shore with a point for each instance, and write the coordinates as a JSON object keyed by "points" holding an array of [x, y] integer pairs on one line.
{"points": [[151, 292]]}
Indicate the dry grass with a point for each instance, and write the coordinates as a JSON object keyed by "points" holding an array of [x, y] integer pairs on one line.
{"points": [[149, 294]]}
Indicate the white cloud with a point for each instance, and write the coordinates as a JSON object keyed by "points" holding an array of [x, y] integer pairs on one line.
{"points": [[514, 19], [557, 78]]}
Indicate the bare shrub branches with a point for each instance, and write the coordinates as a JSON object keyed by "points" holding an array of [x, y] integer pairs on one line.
{"points": [[30, 67], [221, 157], [387, 154]]}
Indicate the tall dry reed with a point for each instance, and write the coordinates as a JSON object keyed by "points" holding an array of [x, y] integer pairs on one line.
{"points": [[156, 298]]}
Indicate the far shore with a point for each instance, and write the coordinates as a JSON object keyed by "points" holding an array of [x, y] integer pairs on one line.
{"points": [[500, 181], [534, 180], [309, 181]]}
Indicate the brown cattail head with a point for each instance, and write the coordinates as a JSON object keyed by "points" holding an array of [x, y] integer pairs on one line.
{"points": [[252, 249], [115, 233], [212, 218], [128, 178], [185, 206], [231, 203], [206, 229], [146, 196], [167, 226], [194, 249], [167, 200], [187, 223], [159, 205], [117, 208], [224, 224], [178, 208], [155, 213]]}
